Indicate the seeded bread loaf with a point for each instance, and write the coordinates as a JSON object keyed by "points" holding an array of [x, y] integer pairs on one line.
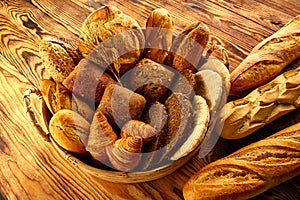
{"points": [[249, 171]]}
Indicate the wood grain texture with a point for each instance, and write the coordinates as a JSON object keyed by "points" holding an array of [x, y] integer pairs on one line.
{"points": [[33, 169]]}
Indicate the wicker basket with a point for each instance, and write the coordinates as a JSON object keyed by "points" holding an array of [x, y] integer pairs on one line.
{"points": [[112, 175], [109, 175]]}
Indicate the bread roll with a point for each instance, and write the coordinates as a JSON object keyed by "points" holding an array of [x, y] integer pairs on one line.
{"points": [[150, 79], [88, 81], [249, 171], [121, 105], [70, 130], [109, 30], [268, 58], [159, 35], [188, 47], [58, 57], [56, 96]]}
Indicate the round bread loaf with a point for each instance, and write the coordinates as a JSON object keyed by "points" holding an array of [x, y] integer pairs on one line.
{"points": [[125, 36], [70, 130]]}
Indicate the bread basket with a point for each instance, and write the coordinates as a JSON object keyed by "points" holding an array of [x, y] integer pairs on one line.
{"points": [[86, 163], [109, 175]]}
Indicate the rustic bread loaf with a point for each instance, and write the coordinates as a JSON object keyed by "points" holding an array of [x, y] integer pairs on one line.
{"points": [[158, 35], [88, 81], [150, 79], [249, 171], [179, 123], [268, 58], [111, 30], [58, 57], [262, 106], [120, 105], [188, 47]]}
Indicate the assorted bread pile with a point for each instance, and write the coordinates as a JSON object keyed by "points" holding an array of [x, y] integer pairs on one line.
{"points": [[132, 99], [129, 111]]}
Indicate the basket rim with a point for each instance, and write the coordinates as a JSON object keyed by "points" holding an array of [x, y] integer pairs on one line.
{"points": [[116, 176]]}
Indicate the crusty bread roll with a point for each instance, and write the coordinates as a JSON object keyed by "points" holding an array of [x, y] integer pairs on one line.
{"points": [[249, 171], [58, 57], [111, 30], [120, 105], [57, 97], [88, 81], [262, 106], [268, 58], [159, 35], [188, 47], [150, 79], [70, 130]]}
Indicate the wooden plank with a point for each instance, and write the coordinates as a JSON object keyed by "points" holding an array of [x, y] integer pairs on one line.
{"points": [[32, 168], [222, 17], [21, 31]]}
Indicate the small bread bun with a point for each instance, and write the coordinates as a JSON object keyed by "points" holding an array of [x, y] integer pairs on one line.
{"points": [[70, 131]]}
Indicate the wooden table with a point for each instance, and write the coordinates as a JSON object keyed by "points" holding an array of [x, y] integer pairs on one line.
{"points": [[33, 169]]}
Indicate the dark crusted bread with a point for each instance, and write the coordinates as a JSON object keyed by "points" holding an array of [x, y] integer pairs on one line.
{"points": [[88, 81]]}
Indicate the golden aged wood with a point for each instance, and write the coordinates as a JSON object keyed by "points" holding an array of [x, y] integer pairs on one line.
{"points": [[33, 169]]}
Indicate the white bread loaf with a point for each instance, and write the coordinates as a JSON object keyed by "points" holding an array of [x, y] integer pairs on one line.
{"points": [[249, 171]]}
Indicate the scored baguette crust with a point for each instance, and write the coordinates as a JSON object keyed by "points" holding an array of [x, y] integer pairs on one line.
{"points": [[250, 170], [268, 58], [262, 106]]}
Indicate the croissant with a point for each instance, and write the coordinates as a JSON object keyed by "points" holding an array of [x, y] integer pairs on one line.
{"points": [[138, 129], [101, 136], [125, 154]]}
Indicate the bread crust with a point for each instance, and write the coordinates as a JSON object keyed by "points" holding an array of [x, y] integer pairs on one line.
{"points": [[262, 106], [268, 58], [250, 170], [70, 130]]}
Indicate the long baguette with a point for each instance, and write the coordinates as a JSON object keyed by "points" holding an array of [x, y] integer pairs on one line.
{"points": [[262, 106], [249, 171], [268, 58]]}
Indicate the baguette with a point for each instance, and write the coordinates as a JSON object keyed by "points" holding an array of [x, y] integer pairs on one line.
{"points": [[249, 171], [268, 58], [262, 106]]}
